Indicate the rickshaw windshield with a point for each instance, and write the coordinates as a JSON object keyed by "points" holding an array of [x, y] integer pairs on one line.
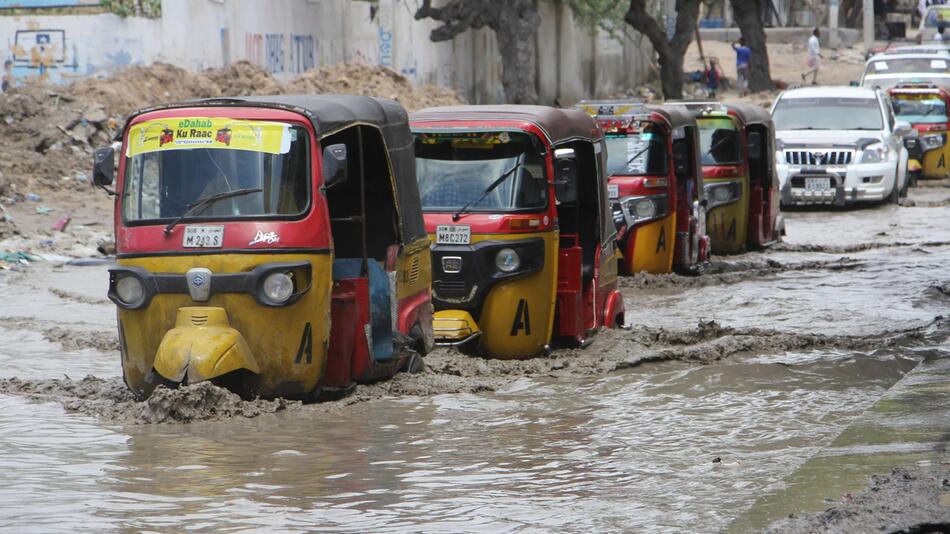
{"points": [[918, 109], [171, 168], [719, 141], [455, 169], [636, 154]]}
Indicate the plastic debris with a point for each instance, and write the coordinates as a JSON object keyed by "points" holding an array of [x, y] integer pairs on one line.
{"points": [[62, 223], [43, 210], [33, 197]]}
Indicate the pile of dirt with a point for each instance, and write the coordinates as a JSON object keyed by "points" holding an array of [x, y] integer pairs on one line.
{"points": [[358, 79], [49, 132]]}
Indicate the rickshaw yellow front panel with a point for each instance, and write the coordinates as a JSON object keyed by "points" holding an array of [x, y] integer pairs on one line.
{"points": [[935, 162], [727, 225], [454, 326], [275, 339], [654, 246], [517, 316]]}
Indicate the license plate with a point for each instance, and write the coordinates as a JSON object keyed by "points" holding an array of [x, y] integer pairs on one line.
{"points": [[613, 190], [203, 237], [817, 184], [453, 234]]}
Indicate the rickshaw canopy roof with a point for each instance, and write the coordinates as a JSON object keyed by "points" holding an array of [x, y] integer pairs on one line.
{"points": [[751, 114], [330, 114], [677, 116], [559, 125]]}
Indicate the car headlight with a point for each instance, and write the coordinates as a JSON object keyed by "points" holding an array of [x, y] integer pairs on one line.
{"points": [[931, 142], [278, 287], [874, 153], [130, 290], [507, 260]]}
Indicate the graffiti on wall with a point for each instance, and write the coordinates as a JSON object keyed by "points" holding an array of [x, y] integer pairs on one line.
{"points": [[42, 53], [386, 16], [278, 54]]}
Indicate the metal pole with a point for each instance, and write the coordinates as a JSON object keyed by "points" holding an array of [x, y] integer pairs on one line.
{"points": [[868, 25]]}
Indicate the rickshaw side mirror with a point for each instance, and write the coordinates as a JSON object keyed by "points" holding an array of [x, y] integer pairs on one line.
{"points": [[680, 159], [103, 167], [565, 175], [334, 165], [755, 145]]}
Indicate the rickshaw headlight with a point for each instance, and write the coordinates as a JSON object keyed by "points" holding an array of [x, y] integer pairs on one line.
{"points": [[278, 287], [722, 193], [931, 142], [130, 290], [507, 260], [645, 209]]}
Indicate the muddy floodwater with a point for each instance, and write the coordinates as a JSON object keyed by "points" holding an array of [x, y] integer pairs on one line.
{"points": [[760, 362]]}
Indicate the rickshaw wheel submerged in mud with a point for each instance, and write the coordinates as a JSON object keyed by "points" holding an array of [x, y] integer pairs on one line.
{"points": [[515, 202], [737, 143], [656, 185], [273, 245]]}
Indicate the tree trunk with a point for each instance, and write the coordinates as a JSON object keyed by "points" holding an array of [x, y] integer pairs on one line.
{"points": [[749, 20], [671, 51], [515, 32]]}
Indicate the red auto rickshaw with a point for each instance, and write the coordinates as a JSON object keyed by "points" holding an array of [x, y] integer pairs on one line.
{"points": [[516, 205], [286, 260]]}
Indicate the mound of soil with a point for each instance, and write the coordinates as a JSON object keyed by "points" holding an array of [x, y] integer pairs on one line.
{"points": [[49, 132]]}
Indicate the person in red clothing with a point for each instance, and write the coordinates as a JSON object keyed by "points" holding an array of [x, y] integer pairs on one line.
{"points": [[712, 75]]}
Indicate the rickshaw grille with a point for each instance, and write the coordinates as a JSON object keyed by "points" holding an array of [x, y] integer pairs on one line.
{"points": [[451, 288], [199, 320]]}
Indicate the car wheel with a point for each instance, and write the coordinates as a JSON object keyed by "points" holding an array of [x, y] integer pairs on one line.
{"points": [[895, 196]]}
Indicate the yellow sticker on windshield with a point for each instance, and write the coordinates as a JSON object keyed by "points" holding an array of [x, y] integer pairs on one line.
{"points": [[206, 132], [718, 123]]}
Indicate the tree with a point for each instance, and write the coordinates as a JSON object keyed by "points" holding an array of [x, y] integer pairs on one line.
{"points": [[748, 17], [515, 23], [670, 52]]}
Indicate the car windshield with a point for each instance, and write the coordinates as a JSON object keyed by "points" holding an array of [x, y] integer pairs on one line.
{"points": [[636, 154], [920, 108], [886, 83], [826, 113], [174, 164], [455, 169], [719, 141], [921, 65]]}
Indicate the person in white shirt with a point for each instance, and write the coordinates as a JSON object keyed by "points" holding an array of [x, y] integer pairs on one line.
{"points": [[814, 57], [938, 37]]}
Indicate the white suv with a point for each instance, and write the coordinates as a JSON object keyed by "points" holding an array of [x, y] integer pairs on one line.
{"points": [[838, 145]]}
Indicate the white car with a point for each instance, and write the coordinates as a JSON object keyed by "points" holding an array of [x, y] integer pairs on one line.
{"points": [[904, 65], [838, 146]]}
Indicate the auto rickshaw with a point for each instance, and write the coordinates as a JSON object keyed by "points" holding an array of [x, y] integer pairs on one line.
{"points": [[656, 186], [289, 259], [515, 203], [924, 106], [738, 155]]}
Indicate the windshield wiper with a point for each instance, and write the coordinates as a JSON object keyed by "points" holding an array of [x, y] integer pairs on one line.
{"points": [[203, 203], [458, 214], [626, 165]]}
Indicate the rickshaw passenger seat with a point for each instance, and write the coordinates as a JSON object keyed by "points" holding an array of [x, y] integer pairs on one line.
{"points": [[379, 302]]}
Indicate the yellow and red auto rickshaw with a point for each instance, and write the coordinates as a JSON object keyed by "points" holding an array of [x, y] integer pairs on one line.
{"points": [[515, 203], [737, 142], [924, 106], [656, 185], [285, 258]]}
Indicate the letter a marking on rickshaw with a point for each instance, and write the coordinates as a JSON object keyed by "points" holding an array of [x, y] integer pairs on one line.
{"points": [[306, 346], [661, 242], [522, 319]]}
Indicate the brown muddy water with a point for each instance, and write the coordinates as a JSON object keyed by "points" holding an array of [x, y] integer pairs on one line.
{"points": [[760, 363]]}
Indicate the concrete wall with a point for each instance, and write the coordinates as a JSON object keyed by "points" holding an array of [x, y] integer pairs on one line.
{"points": [[288, 37]]}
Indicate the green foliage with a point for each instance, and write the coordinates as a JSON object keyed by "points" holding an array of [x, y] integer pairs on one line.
{"points": [[606, 14], [127, 8]]}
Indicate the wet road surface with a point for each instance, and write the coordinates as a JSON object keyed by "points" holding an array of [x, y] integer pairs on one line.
{"points": [[547, 450]]}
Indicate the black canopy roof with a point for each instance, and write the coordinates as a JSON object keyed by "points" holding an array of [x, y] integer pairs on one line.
{"points": [[559, 125], [332, 113], [751, 114]]}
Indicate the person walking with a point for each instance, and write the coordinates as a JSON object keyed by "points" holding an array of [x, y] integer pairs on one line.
{"points": [[814, 57], [712, 78], [743, 55]]}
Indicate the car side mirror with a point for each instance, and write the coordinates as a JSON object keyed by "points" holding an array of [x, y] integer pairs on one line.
{"points": [[754, 140], [103, 167], [565, 175], [680, 159], [902, 128], [334, 165]]}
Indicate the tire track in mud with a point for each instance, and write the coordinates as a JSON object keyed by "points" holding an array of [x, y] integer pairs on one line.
{"points": [[725, 273], [68, 338], [860, 247], [451, 372]]}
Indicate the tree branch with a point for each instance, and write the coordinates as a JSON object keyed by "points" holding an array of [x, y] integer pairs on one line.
{"points": [[638, 18]]}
